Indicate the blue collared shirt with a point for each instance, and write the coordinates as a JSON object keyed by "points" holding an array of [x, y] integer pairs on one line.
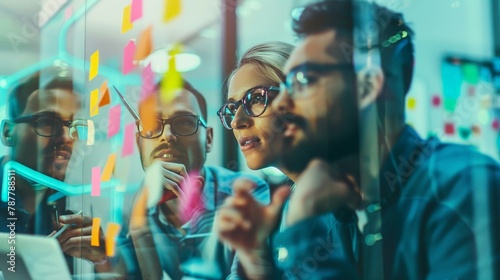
{"points": [[440, 220]]}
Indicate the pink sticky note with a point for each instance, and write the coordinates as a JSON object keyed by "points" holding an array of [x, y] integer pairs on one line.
{"points": [[68, 12], [129, 141], [114, 120], [96, 181], [136, 10], [128, 57], [148, 82]]}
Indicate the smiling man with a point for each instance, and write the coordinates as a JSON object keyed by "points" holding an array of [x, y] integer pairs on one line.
{"points": [[175, 146]]}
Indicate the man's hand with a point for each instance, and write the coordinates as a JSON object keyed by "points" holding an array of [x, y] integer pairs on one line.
{"points": [[76, 240], [245, 225], [177, 192], [321, 189]]}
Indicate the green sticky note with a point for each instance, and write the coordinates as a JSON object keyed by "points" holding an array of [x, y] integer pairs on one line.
{"points": [[464, 132], [470, 73], [450, 104]]}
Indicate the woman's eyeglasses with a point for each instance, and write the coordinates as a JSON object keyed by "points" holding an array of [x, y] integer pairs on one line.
{"points": [[254, 103]]}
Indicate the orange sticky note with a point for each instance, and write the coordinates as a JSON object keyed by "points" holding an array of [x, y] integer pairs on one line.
{"points": [[105, 99], [94, 65], [145, 44], [111, 234], [94, 237], [94, 102], [147, 113], [172, 9], [126, 19], [138, 215], [108, 168]]}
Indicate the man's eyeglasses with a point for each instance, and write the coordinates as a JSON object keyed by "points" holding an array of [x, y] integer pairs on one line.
{"points": [[50, 126], [180, 126], [254, 102], [307, 74]]}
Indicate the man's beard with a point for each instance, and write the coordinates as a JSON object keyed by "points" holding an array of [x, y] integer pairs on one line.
{"points": [[331, 148]]}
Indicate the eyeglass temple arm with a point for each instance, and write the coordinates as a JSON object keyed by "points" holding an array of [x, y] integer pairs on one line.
{"points": [[127, 104]]}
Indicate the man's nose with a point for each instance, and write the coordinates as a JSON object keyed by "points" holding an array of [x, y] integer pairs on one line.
{"points": [[282, 103], [167, 134]]}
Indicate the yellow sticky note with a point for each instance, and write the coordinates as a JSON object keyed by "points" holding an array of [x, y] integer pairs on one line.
{"points": [[172, 9], [111, 234], [108, 169], [94, 237], [94, 102], [172, 79], [94, 65], [126, 22], [412, 103], [90, 133]]}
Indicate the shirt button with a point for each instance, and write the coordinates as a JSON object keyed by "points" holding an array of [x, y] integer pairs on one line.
{"points": [[282, 254]]}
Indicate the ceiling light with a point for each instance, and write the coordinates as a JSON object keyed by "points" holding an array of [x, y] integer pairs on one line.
{"points": [[184, 61]]}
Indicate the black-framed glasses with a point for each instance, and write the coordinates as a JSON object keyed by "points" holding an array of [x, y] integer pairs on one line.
{"points": [[307, 74], [184, 125], [50, 126], [254, 102]]}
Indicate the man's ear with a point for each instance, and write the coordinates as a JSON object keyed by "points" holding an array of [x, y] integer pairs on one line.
{"points": [[6, 128], [370, 85], [210, 138]]}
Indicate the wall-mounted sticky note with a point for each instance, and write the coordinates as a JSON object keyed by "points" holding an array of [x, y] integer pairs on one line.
{"points": [[147, 113], [90, 133], [476, 130], [148, 82], [96, 181], [144, 44], [108, 168], [452, 84], [129, 141], [411, 103], [464, 132], [115, 114], [94, 102], [138, 215], [470, 71], [495, 124], [172, 79], [104, 90], [449, 128], [111, 234], [68, 12], [172, 9], [126, 19], [136, 12], [94, 65], [450, 104], [128, 57], [94, 237], [436, 101]]}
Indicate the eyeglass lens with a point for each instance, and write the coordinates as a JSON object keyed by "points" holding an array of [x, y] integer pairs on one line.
{"points": [[181, 125]]}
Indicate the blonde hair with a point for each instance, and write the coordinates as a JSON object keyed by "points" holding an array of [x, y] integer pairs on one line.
{"points": [[270, 59]]}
